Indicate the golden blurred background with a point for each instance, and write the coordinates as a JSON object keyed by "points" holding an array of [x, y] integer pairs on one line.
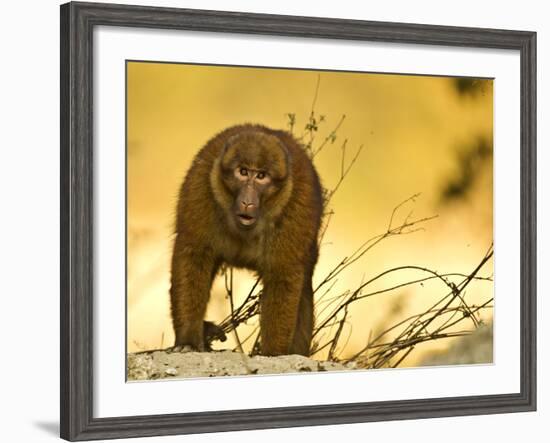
{"points": [[420, 134]]}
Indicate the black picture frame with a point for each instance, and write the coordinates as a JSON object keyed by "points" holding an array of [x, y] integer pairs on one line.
{"points": [[77, 23]]}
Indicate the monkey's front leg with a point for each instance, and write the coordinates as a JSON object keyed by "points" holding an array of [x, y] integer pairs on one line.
{"points": [[279, 311], [193, 270]]}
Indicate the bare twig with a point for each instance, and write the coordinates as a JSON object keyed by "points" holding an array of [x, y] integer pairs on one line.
{"points": [[331, 137]]}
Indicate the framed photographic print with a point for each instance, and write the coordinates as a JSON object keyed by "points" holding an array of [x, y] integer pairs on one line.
{"points": [[272, 221]]}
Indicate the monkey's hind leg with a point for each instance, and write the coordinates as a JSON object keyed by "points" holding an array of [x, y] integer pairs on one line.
{"points": [[301, 342], [279, 305], [192, 275]]}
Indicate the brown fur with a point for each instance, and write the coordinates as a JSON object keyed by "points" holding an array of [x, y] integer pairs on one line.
{"points": [[281, 246]]}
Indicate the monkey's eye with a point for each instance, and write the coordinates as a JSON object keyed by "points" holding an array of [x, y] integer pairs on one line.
{"points": [[262, 177], [243, 172]]}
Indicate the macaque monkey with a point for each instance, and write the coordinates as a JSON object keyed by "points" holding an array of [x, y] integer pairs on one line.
{"points": [[251, 199]]}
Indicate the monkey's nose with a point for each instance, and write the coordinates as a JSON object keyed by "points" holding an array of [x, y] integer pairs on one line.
{"points": [[246, 207]]}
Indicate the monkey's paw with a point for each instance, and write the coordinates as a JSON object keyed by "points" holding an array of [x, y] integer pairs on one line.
{"points": [[213, 332], [180, 349]]}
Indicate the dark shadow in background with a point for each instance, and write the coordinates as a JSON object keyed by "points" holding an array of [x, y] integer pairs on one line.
{"points": [[465, 86], [472, 161]]}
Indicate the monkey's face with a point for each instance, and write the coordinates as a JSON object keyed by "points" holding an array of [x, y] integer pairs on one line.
{"points": [[254, 167]]}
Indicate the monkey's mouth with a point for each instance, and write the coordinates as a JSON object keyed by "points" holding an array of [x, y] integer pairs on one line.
{"points": [[246, 219]]}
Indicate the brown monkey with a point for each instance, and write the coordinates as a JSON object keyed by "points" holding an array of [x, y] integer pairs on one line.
{"points": [[251, 199]]}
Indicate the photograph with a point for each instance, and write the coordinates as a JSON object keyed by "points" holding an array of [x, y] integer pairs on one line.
{"points": [[274, 221], [288, 220]]}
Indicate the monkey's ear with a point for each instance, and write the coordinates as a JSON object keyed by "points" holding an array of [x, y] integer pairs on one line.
{"points": [[225, 158], [283, 147], [283, 168], [231, 140]]}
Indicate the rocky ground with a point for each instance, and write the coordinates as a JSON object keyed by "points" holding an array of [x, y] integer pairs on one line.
{"points": [[161, 364]]}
